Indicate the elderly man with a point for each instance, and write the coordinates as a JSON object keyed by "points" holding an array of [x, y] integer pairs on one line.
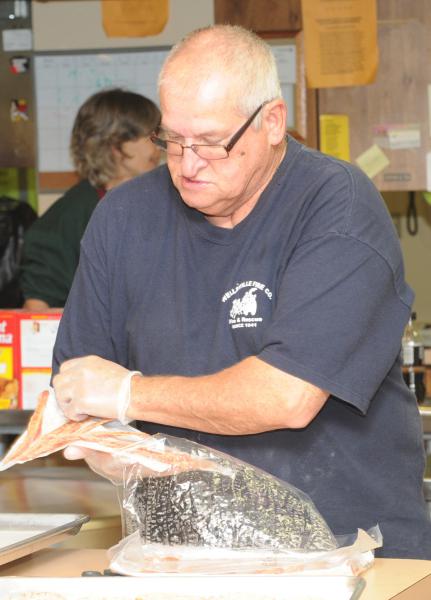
{"points": [[250, 296]]}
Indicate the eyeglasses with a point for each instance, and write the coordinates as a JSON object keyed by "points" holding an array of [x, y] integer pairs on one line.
{"points": [[206, 151]]}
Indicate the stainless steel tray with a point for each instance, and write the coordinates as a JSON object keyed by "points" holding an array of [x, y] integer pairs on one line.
{"points": [[24, 533], [185, 587]]}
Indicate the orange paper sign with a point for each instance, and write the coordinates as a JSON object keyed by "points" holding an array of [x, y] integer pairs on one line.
{"points": [[340, 42], [134, 18]]}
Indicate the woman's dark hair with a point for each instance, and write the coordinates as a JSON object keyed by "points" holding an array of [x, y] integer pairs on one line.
{"points": [[105, 121]]}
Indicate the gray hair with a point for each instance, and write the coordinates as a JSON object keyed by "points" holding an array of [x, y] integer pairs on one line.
{"points": [[239, 53]]}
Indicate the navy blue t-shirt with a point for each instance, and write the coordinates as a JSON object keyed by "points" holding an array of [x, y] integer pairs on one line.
{"points": [[311, 282]]}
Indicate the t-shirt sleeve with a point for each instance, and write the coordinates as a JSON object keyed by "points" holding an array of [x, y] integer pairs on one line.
{"points": [[338, 318]]}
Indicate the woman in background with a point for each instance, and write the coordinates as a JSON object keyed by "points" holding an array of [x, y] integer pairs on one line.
{"points": [[109, 145]]}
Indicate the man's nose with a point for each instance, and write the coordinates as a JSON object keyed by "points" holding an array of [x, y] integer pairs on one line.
{"points": [[191, 163]]}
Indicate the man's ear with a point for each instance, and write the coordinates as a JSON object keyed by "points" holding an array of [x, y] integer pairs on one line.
{"points": [[275, 120]]}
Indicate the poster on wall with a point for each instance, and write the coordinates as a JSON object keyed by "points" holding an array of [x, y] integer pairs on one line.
{"points": [[340, 42]]}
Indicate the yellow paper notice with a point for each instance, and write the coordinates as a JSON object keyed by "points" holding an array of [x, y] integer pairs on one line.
{"points": [[372, 161], [340, 42], [134, 18], [334, 136]]}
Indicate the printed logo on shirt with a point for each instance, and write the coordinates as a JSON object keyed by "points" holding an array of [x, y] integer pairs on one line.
{"points": [[244, 308]]}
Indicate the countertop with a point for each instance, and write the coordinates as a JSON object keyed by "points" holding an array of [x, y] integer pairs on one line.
{"points": [[386, 579]]}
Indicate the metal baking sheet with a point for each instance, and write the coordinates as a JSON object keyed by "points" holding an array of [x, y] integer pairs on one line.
{"points": [[184, 587], [24, 533]]}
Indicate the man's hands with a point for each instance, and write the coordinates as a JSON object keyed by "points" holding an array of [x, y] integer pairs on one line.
{"points": [[93, 386], [102, 463]]}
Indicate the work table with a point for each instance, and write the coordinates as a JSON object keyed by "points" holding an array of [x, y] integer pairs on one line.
{"points": [[384, 580]]}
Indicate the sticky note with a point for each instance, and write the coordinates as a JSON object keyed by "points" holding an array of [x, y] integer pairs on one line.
{"points": [[372, 161], [397, 136]]}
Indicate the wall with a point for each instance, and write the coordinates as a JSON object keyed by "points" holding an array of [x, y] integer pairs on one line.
{"points": [[416, 249], [77, 25]]}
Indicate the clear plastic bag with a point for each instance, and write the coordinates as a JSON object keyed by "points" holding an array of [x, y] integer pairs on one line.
{"points": [[226, 518], [135, 558]]}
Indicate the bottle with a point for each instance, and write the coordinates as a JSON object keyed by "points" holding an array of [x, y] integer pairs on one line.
{"points": [[412, 358]]}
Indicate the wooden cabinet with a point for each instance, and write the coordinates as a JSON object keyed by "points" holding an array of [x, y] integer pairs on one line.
{"points": [[394, 111], [260, 15]]}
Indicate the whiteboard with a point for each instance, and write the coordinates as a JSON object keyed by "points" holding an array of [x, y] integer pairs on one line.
{"points": [[285, 58], [64, 81]]}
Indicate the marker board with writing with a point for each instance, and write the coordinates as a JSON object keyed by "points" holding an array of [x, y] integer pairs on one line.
{"points": [[65, 81]]}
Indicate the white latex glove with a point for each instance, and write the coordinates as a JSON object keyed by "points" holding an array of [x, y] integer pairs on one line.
{"points": [[116, 467], [102, 463], [93, 386]]}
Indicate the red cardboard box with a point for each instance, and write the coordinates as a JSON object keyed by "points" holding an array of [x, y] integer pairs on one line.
{"points": [[26, 344]]}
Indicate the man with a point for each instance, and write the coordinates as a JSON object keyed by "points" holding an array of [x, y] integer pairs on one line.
{"points": [[258, 288]]}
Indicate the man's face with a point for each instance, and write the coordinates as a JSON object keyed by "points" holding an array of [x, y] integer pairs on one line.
{"points": [[224, 190]]}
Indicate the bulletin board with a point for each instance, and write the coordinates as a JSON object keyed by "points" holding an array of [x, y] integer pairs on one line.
{"points": [[63, 81], [388, 123]]}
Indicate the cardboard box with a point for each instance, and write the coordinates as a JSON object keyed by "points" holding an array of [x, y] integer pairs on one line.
{"points": [[26, 344]]}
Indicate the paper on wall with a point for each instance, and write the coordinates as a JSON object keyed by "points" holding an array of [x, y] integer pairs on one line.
{"points": [[128, 18], [340, 42], [334, 136], [17, 39], [399, 136], [372, 161]]}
